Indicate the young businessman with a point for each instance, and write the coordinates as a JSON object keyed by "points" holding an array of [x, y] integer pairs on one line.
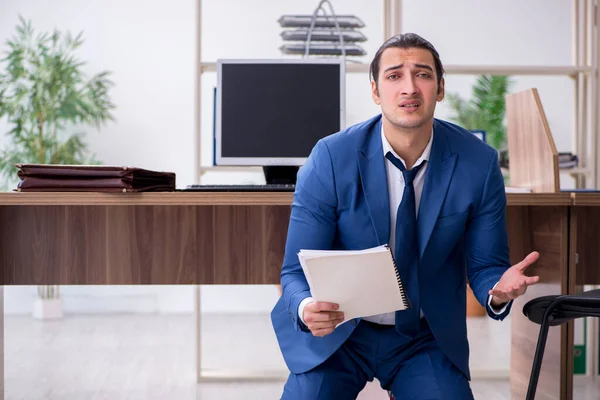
{"points": [[434, 192]]}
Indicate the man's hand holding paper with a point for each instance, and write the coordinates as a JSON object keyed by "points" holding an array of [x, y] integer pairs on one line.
{"points": [[348, 284], [322, 317]]}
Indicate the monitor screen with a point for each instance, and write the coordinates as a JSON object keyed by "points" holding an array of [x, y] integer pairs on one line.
{"points": [[273, 112]]}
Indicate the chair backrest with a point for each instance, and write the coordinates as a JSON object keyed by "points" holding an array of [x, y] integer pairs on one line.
{"points": [[532, 155]]}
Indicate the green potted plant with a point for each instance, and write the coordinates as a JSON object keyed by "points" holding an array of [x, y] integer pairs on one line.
{"points": [[485, 110], [45, 97]]}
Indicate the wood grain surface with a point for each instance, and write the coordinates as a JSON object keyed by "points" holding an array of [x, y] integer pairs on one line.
{"points": [[544, 229], [206, 198], [586, 199], [76, 245], [148, 198], [533, 160], [586, 231]]}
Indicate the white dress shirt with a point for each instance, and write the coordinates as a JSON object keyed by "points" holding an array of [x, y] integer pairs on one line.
{"points": [[395, 180]]}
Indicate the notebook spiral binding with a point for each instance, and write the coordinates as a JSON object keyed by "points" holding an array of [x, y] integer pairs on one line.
{"points": [[400, 285]]}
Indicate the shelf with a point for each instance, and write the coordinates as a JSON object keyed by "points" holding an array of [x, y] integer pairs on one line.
{"points": [[575, 171], [582, 71], [566, 70]]}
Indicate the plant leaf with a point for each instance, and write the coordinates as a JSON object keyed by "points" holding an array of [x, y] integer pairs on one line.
{"points": [[485, 110], [44, 90]]}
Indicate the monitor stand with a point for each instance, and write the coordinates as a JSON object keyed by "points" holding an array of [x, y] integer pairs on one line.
{"points": [[280, 174]]}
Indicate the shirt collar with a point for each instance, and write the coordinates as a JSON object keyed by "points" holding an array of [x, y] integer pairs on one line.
{"points": [[388, 147]]}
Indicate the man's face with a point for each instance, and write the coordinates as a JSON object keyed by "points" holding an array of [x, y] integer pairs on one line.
{"points": [[407, 87]]}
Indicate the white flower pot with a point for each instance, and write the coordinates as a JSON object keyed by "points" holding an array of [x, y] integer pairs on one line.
{"points": [[47, 308]]}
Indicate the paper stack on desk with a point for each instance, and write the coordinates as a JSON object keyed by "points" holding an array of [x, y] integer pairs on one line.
{"points": [[362, 282]]}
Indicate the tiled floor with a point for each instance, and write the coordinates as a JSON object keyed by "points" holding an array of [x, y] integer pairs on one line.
{"points": [[153, 357]]}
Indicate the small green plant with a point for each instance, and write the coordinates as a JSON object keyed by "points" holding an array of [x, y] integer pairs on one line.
{"points": [[45, 96], [485, 110]]}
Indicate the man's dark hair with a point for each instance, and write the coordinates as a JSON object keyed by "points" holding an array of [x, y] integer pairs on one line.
{"points": [[407, 41]]}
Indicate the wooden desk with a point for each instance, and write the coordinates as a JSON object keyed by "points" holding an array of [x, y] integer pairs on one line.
{"points": [[239, 238], [541, 226], [161, 238]]}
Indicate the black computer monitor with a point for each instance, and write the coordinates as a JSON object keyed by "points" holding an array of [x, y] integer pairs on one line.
{"points": [[271, 113]]}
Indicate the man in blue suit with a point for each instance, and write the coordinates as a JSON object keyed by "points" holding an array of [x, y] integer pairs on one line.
{"points": [[434, 192]]}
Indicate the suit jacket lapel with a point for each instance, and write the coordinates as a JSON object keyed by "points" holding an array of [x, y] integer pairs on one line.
{"points": [[373, 177], [437, 180]]}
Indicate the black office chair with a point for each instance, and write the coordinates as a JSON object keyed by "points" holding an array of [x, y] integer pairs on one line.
{"points": [[556, 310]]}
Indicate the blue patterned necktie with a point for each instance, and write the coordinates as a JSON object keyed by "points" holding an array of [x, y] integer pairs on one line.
{"points": [[406, 251]]}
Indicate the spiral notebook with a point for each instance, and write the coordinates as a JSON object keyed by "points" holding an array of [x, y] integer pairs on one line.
{"points": [[363, 282]]}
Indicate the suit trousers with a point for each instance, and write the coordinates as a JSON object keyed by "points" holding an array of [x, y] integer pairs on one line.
{"points": [[413, 369]]}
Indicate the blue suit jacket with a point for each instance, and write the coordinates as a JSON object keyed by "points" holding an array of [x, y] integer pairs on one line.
{"points": [[341, 202]]}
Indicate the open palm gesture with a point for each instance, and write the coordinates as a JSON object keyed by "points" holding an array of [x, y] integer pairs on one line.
{"points": [[514, 282]]}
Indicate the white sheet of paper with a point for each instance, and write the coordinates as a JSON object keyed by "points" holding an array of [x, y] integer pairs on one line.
{"points": [[362, 282]]}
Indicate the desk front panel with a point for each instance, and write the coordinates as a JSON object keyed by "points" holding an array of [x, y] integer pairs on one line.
{"points": [[123, 244]]}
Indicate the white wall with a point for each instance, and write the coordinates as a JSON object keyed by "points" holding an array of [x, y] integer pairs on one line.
{"points": [[150, 46]]}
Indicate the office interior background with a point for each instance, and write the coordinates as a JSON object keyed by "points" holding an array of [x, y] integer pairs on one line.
{"points": [[154, 50]]}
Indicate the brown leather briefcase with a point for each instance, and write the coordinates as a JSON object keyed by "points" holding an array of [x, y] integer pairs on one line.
{"points": [[91, 178]]}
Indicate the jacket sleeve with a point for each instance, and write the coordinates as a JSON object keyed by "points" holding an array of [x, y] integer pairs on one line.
{"points": [[486, 240], [312, 224]]}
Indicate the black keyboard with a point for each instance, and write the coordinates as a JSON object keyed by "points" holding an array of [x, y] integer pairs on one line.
{"points": [[241, 188]]}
